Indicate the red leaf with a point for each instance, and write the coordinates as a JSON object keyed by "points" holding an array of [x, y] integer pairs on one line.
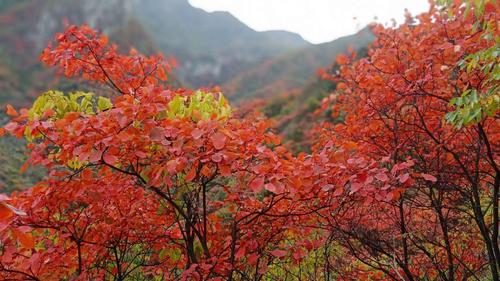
{"points": [[355, 186], [48, 113], [95, 156], [26, 239], [393, 195], [428, 177], [240, 253], [327, 187], [252, 259], [273, 188], [191, 174], [11, 127], [2, 132], [279, 253], [338, 191], [218, 140], [196, 133], [5, 212], [141, 154], [157, 134], [217, 157], [110, 159], [404, 177], [257, 183], [381, 177], [11, 111]]}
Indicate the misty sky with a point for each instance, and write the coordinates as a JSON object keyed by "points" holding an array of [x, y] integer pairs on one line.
{"points": [[316, 20]]}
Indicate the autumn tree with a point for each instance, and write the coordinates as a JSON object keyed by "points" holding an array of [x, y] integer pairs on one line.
{"points": [[434, 213], [151, 183]]}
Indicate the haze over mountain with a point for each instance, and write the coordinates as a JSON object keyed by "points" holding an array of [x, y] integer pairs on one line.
{"points": [[292, 70], [210, 47]]}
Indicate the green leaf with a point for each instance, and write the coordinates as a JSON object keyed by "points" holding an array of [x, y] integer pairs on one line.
{"points": [[104, 103]]}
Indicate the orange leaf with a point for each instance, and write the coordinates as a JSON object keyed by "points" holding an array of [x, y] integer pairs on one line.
{"points": [[341, 59], [225, 170], [24, 167], [206, 171], [341, 86], [11, 111], [5, 212], [191, 174], [26, 239]]}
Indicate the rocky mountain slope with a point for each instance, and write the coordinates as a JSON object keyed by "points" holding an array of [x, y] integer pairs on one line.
{"points": [[293, 70], [26, 28], [210, 47]]}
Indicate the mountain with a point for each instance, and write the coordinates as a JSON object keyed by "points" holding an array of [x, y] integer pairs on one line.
{"points": [[297, 112], [292, 70], [211, 47], [26, 28]]}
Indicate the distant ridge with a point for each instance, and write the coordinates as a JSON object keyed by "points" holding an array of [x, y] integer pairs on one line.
{"points": [[292, 70], [211, 47]]}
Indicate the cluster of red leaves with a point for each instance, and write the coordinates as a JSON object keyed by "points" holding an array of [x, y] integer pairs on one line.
{"points": [[94, 59], [443, 223], [392, 193], [175, 198]]}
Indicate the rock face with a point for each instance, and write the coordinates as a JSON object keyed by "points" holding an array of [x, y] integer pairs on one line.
{"points": [[105, 15], [36, 21], [26, 28]]}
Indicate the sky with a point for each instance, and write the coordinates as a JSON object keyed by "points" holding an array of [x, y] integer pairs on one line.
{"points": [[315, 20]]}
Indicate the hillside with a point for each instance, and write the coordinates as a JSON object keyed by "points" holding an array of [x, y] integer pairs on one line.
{"points": [[293, 70], [297, 112], [27, 27], [211, 47]]}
